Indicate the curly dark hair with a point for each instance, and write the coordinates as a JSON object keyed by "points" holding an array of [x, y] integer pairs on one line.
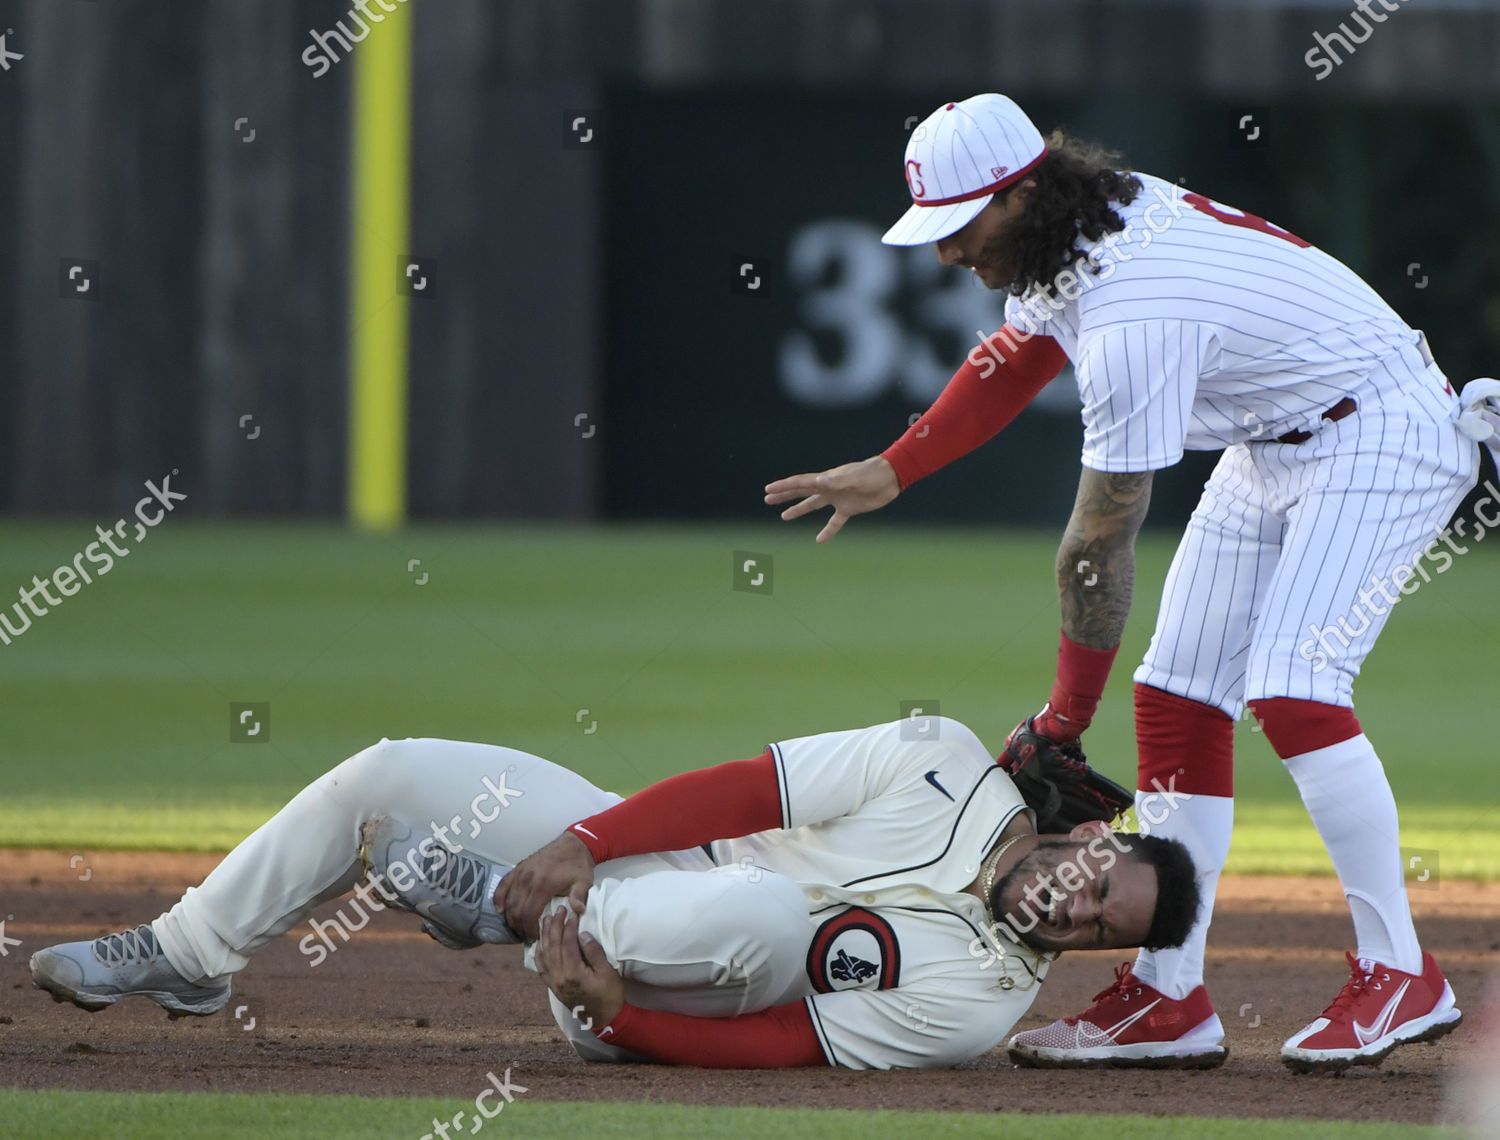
{"points": [[1076, 184], [1177, 894]]}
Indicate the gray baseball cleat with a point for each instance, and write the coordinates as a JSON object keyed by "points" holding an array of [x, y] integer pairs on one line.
{"points": [[449, 889], [95, 975]]}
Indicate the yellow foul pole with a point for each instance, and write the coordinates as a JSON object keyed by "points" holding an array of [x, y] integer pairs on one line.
{"points": [[378, 240]]}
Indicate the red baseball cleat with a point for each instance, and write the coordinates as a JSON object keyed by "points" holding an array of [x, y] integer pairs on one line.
{"points": [[1130, 1025], [1379, 1008]]}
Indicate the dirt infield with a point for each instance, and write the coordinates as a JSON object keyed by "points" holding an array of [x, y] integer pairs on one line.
{"points": [[393, 1013]]}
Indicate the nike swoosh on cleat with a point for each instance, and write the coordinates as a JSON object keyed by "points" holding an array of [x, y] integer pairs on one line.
{"points": [[1382, 1024], [1114, 1032], [931, 778]]}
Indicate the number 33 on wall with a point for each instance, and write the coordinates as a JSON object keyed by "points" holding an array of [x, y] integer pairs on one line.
{"points": [[874, 319]]}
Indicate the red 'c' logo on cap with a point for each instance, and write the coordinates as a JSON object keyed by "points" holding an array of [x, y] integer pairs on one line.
{"points": [[913, 178]]}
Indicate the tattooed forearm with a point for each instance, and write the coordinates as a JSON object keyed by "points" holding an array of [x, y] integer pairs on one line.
{"points": [[1096, 581], [1096, 561]]}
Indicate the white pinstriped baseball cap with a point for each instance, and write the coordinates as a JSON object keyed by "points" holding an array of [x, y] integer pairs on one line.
{"points": [[956, 158]]}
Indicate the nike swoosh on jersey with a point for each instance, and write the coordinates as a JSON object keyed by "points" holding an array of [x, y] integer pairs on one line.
{"points": [[1382, 1024], [586, 831], [931, 778]]}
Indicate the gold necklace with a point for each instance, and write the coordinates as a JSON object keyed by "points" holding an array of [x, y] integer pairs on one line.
{"points": [[987, 871]]}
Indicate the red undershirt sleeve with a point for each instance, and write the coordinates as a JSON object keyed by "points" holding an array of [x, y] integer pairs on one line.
{"points": [[688, 810], [782, 1037], [981, 399]]}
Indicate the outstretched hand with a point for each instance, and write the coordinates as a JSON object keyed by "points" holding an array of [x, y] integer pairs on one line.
{"points": [[853, 489], [563, 867]]}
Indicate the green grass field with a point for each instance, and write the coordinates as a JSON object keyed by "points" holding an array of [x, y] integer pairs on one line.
{"points": [[161, 1116], [118, 722], [117, 710]]}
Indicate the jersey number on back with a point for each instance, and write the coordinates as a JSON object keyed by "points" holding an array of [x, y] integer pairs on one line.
{"points": [[1247, 221]]}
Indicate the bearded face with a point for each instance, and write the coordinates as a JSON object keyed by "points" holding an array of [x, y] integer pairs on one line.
{"points": [[1078, 894]]}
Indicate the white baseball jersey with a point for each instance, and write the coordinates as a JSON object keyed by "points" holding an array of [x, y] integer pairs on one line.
{"points": [[1204, 327], [855, 908], [884, 828]]}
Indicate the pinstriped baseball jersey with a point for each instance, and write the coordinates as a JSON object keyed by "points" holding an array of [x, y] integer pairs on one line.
{"points": [[1205, 327], [884, 833]]}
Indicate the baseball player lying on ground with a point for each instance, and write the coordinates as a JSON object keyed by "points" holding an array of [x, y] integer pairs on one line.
{"points": [[855, 898]]}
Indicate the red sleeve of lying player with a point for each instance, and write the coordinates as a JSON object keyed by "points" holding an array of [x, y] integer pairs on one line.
{"points": [[778, 1038], [722, 802], [994, 383]]}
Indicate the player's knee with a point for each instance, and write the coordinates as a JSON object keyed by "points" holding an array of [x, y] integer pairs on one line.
{"points": [[770, 929], [380, 761], [1296, 727]]}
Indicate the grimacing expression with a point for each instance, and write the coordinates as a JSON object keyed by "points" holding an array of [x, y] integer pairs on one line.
{"points": [[1079, 894]]}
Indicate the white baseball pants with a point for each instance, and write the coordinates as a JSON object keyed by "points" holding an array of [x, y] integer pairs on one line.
{"points": [[688, 937]]}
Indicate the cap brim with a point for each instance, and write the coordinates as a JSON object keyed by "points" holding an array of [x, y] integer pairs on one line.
{"points": [[923, 224]]}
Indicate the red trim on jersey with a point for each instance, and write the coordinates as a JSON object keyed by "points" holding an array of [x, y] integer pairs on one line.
{"points": [[978, 403], [1244, 220], [1296, 728], [1184, 746], [688, 810], [781, 1037], [992, 188]]}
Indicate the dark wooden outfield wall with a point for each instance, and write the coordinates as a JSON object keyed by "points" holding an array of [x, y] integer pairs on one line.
{"points": [[589, 180]]}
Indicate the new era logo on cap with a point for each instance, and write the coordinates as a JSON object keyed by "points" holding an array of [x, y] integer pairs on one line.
{"points": [[956, 158]]}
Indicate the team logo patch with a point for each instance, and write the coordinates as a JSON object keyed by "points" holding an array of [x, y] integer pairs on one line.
{"points": [[853, 951]]}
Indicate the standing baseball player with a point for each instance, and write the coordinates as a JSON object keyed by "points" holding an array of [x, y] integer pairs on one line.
{"points": [[865, 899], [1194, 325]]}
